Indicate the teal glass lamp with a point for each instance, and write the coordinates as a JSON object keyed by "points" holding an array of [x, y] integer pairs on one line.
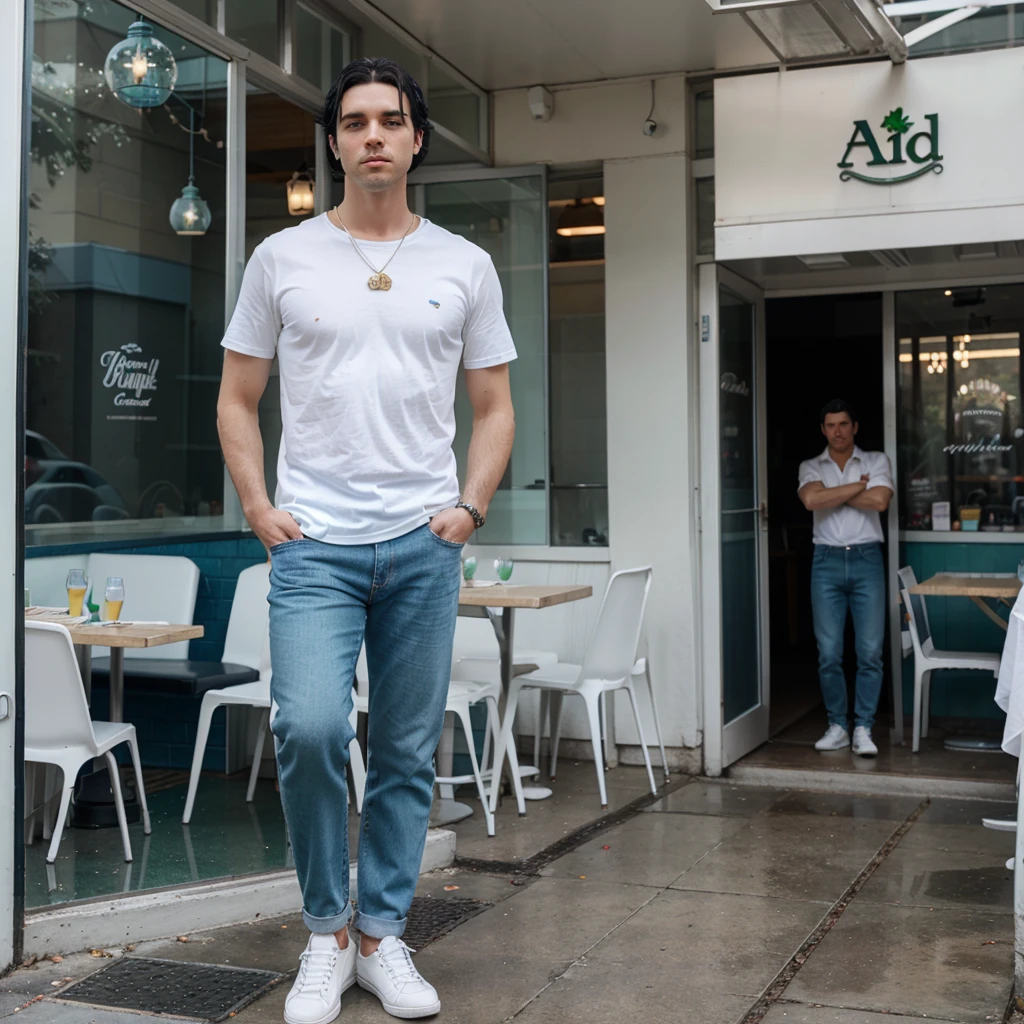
{"points": [[189, 213], [140, 70]]}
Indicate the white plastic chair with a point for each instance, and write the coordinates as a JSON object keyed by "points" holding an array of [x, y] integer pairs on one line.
{"points": [[158, 588], [58, 730], [247, 643], [609, 665], [927, 659]]}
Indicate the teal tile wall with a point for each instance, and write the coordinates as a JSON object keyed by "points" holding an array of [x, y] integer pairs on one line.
{"points": [[958, 625], [166, 724]]}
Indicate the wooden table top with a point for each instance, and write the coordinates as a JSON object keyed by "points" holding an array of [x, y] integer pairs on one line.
{"points": [[505, 595], [945, 584], [143, 635]]}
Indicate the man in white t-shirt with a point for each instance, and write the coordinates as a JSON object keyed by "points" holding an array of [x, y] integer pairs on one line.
{"points": [[369, 311], [847, 490]]}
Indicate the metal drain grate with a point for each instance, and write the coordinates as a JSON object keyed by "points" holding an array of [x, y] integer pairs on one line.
{"points": [[430, 918], [202, 991]]}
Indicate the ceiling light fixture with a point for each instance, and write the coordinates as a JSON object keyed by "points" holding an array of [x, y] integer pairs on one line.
{"points": [[140, 70], [583, 217]]}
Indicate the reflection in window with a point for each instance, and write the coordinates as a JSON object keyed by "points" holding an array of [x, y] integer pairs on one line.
{"points": [[321, 51], [579, 418], [454, 106], [961, 436], [254, 24], [125, 315]]}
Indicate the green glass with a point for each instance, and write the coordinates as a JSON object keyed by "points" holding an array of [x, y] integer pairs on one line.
{"points": [[469, 568], [503, 567]]}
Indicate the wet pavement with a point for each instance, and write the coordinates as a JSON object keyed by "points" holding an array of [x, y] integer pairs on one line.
{"points": [[717, 904]]}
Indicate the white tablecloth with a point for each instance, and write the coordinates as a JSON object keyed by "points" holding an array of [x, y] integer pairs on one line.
{"points": [[1010, 688]]}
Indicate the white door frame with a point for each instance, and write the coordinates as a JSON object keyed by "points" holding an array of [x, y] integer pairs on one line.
{"points": [[13, 227], [724, 742]]}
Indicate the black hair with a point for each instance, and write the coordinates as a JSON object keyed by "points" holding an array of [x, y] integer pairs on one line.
{"points": [[362, 71], [837, 405]]}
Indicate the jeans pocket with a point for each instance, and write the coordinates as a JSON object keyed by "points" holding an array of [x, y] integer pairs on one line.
{"points": [[441, 540], [275, 548]]}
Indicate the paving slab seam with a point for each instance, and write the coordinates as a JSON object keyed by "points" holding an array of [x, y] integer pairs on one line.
{"points": [[532, 865], [898, 1016], [774, 992]]}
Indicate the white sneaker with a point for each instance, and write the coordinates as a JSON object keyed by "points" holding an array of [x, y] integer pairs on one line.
{"points": [[835, 738], [863, 744], [325, 972], [389, 974]]}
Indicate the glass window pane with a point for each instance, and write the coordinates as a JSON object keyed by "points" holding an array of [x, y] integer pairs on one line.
{"points": [[705, 193], [704, 131], [578, 393], [321, 50], [453, 105], [253, 23], [125, 315], [204, 10], [995, 27], [505, 216], [736, 401], [960, 430], [279, 140]]}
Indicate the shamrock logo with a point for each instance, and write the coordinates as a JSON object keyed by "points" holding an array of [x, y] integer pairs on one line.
{"points": [[896, 122]]}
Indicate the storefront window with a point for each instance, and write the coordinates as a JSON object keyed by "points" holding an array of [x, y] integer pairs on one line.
{"points": [[960, 433], [125, 314], [254, 24], [321, 50], [579, 418]]}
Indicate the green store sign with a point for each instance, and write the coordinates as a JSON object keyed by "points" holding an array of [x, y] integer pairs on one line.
{"points": [[921, 148]]}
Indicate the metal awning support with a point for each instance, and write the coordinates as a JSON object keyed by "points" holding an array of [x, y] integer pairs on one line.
{"points": [[814, 30]]}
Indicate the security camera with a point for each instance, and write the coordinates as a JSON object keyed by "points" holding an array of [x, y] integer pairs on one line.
{"points": [[541, 103], [650, 127]]}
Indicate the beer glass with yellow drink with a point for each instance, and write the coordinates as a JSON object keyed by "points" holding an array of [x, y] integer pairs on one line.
{"points": [[113, 599], [76, 584]]}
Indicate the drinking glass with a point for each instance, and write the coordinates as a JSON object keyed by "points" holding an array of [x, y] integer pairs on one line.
{"points": [[469, 568], [503, 567], [113, 599], [77, 585]]}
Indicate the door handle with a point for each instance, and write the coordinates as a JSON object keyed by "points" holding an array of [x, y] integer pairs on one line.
{"points": [[6, 706], [763, 509]]}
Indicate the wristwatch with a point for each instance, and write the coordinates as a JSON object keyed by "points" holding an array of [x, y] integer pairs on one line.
{"points": [[478, 519]]}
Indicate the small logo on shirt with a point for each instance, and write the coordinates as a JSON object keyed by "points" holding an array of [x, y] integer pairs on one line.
{"points": [[434, 303]]}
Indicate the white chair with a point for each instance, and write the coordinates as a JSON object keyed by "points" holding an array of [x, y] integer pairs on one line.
{"points": [[158, 588], [609, 665], [927, 659], [58, 730]]}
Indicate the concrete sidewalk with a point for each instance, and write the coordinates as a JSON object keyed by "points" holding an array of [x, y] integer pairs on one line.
{"points": [[716, 905]]}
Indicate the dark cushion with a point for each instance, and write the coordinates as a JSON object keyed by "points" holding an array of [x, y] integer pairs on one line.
{"points": [[174, 676]]}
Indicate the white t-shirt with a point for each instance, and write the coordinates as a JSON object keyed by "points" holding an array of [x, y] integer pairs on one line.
{"points": [[368, 377], [844, 526]]}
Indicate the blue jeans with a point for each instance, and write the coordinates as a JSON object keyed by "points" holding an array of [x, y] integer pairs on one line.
{"points": [[849, 578], [402, 596]]}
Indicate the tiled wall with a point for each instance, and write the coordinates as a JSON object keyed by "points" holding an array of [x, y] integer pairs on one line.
{"points": [[958, 625], [166, 723]]}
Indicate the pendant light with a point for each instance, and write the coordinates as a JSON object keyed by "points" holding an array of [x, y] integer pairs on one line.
{"points": [[582, 217], [140, 70], [189, 213], [301, 192]]}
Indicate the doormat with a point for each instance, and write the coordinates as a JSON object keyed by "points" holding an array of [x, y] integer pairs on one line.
{"points": [[430, 918], [202, 991]]}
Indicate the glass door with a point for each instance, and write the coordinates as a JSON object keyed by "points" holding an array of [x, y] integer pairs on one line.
{"points": [[505, 213], [734, 523]]}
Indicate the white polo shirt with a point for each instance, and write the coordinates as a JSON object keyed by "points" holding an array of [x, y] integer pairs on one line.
{"points": [[843, 526]]}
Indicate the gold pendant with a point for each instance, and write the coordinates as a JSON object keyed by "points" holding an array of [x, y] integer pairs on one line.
{"points": [[379, 283]]}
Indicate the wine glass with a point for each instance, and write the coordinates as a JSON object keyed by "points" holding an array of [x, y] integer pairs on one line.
{"points": [[77, 585], [113, 599], [469, 568], [503, 567]]}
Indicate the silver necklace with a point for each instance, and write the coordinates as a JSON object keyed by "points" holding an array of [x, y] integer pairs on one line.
{"points": [[378, 280]]}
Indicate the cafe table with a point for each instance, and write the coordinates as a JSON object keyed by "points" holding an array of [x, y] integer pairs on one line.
{"points": [[93, 802], [980, 588], [498, 602]]}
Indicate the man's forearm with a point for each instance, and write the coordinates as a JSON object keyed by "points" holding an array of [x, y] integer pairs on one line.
{"points": [[242, 444], [489, 449], [831, 497], [876, 499]]}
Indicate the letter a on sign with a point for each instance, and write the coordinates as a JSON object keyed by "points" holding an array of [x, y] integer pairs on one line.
{"points": [[866, 138]]}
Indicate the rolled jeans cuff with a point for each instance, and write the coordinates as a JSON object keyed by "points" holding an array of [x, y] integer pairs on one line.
{"points": [[379, 927], [327, 925]]}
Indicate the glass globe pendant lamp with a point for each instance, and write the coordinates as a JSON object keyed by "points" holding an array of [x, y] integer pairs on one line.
{"points": [[301, 193], [140, 70], [189, 213]]}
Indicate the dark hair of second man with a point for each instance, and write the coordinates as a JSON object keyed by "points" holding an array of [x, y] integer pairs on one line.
{"points": [[363, 71], [837, 405]]}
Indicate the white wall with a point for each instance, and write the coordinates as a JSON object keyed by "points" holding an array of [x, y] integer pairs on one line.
{"points": [[651, 478], [591, 123]]}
